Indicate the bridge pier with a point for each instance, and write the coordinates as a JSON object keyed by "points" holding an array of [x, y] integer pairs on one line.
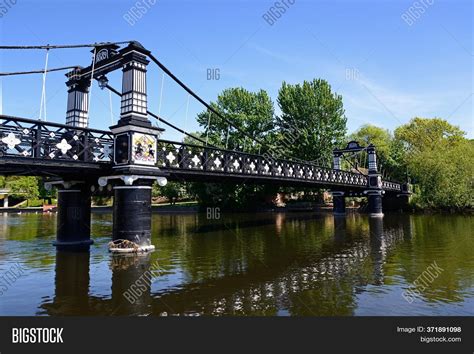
{"points": [[132, 215], [375, 208], [339, 203], [73, 229], [374, 184], [132, 212], [400, 201]]}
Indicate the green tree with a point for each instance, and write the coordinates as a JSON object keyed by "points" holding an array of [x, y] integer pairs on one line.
{"points": [[172, 191], [23, 187], [317, 114], [251, 112], [441, 162]]}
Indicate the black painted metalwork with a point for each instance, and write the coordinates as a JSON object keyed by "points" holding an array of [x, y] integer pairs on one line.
{"points": [[132, 214], [60, 149], [74, 219]]}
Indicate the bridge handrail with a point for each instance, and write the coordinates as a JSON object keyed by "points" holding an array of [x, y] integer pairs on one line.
{"points": [[106, 137], [58, 125], [250, 154]]}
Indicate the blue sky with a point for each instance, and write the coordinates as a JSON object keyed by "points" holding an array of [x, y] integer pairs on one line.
{"points": [[386, 70]]}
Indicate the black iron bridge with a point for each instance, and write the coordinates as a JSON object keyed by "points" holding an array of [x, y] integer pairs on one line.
{"points": [[38, 148], [131, 156]]}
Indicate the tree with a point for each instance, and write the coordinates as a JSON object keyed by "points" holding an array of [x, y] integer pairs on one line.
{"points": [[22, 187], [172, 191], [316, 114], [441, 162], [251, 112]]}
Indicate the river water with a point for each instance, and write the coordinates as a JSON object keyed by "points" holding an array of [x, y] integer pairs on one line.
{"points": [[271, 264]]}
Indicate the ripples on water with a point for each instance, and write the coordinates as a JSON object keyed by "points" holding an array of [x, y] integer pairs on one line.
{"points": [[246, 264]]}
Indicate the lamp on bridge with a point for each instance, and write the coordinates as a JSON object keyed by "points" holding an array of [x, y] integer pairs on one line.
{"points": [[103, 82]]}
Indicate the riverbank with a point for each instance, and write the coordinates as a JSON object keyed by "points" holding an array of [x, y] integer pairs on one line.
{"points": [[188, 208]]}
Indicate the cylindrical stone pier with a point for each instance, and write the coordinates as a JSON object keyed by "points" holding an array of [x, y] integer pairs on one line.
{"points": [[73, 231], [339, 203], [375, 203], [132, 215]]}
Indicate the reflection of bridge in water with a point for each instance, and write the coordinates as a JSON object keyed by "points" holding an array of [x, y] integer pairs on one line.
{"points": [[332, 278]]}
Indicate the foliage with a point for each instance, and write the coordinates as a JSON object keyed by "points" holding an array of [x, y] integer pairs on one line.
{"points": [[22, 187], [252, 112], [441, 162], [317, 114], [233, 196], [173, 191]]}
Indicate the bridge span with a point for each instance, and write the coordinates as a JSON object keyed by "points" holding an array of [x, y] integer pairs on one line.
{"points": [[131, 156]]}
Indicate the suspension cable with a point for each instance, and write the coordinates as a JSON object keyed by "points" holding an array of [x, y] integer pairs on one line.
{"points": [[90, 85], [208, 126], [12, 73], [227, 136], [43, 90], [186, 116], [111, 109], [160, 119], [161, 93], [192, 93], [64, 46]]}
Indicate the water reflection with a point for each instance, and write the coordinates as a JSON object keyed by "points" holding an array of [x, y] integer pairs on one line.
{"points": [[130, 285], [71, 293], [270, 264]]}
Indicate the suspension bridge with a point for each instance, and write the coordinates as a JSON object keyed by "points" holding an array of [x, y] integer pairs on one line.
{"points": [[131, 156]]}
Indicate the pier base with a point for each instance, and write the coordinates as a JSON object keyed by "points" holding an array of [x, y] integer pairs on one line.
{"points": [[339, 203], [132, 217], [73, 229]]}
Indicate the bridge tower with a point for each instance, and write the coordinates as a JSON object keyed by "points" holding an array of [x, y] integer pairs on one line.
{"points": [[135, 149], [374, 190], [338, 197]]}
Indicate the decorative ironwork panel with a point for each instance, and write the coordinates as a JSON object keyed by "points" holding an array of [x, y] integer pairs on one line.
{"points": [[27, 138]]}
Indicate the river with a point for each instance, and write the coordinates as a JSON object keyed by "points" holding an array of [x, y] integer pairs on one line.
{"points": [[264, 264]]}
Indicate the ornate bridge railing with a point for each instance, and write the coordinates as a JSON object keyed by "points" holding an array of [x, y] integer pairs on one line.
{"points": [[178, 156], [24, 139], [27, 138], [391, 186]]}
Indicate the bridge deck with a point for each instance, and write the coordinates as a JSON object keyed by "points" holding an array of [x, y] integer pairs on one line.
{"points": [[33, 147]]}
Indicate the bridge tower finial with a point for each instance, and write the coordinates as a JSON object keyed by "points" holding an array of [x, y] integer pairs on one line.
{"points": [[134, 106], [77, 113]]}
